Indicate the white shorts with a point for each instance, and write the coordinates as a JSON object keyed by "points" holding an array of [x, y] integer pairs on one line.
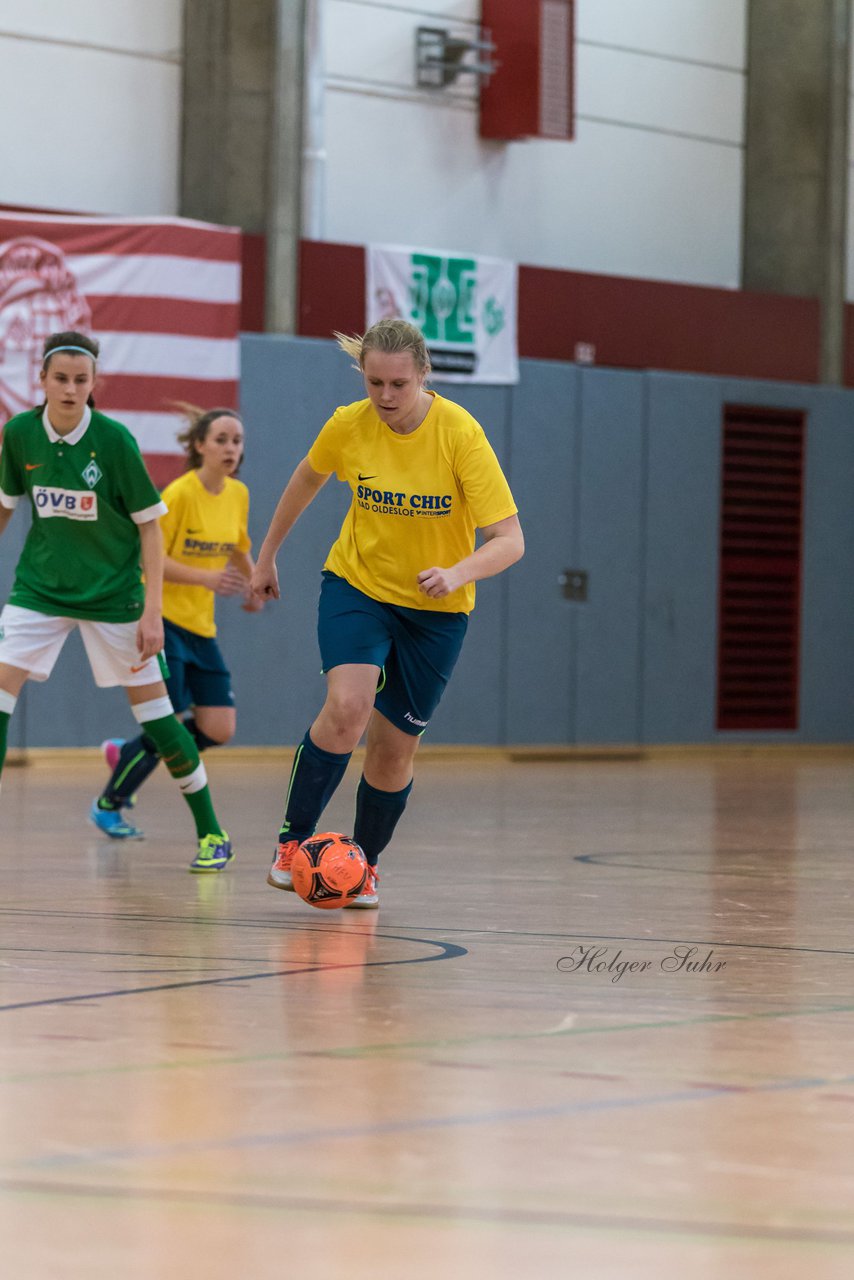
{"points": [[33, 641]]}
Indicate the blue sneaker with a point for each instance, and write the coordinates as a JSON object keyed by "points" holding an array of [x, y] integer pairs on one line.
{"points": [[111, 822], [214, 853]]}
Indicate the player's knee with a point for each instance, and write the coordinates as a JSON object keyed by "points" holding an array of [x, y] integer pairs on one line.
{"points": [[348, 713], [210, 732], [221, 737], [390, 759]]}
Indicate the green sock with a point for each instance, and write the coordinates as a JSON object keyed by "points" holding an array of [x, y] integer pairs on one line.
{"points": [[5, 717], [201, 804], [179, 753]]}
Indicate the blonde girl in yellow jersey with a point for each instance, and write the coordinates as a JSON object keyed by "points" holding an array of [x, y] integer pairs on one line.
{"points": [[398, 584]]}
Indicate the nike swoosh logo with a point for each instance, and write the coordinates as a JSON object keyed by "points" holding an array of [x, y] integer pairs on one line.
{"points": [[361, 477], [31, 466], [135, 670], [194, 531]]}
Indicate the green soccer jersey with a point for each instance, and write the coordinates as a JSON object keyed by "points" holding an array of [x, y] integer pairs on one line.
{"points": [[89, 491]]}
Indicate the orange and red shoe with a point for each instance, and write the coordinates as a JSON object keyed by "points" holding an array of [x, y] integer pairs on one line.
{"points": [[369, 898], [280, 873]]}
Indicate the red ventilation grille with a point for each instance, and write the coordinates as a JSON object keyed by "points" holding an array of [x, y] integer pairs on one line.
{"points": [[760, 575]]}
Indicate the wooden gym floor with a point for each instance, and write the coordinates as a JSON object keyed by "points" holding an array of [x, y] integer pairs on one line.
{"points": [[602, 1026]]}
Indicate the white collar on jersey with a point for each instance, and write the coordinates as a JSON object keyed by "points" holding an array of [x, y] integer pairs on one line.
{"points": [[72, 437]]}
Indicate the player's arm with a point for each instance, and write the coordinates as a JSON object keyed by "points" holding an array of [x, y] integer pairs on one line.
{"points": [[149, 632], [242, 562], [503, 544], [303, 486], [225, 582], [12, 487]]}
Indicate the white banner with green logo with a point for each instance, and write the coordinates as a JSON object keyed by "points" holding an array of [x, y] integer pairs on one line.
{"points": [[464, 305]]}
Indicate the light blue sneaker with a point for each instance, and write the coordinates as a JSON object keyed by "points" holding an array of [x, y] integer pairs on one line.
{"points": [[111, 822], [214, 853]]}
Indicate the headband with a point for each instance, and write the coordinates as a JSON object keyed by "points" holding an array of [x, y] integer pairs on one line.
{"points": [[83, 351]]}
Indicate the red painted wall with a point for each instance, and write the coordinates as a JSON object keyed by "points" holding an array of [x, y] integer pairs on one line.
{"points": [[253, 270], [331, 289], [643, 324]]}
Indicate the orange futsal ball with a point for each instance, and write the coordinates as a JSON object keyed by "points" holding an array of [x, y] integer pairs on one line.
{"points": [[329, 870]]}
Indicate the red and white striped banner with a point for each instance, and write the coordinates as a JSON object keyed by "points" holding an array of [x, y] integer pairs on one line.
{"points": [[161, 295]]}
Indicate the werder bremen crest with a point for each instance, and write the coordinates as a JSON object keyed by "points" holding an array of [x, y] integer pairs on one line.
{"points": [[92, 474], [465, 306]]}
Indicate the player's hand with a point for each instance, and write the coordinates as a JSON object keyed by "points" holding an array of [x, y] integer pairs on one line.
{"points": [[149, 635], [228, 581], [252, 603], [265, 581], [437, 582]]}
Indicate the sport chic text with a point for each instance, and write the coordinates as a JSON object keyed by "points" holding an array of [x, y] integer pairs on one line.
{"points": [[416, 504], [607, 962]]}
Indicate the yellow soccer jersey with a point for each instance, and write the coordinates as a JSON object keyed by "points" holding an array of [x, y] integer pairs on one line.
{"points": [[417, 499], [202, 530]]}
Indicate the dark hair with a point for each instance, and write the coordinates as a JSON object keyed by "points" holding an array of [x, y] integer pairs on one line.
{"points": [[71, 338], [200, 422]]}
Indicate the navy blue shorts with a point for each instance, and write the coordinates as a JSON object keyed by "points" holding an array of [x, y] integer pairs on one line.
{"points": [[416, 649], [198, 676]]}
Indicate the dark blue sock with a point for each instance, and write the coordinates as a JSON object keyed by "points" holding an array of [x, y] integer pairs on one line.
{"points": [[314, 777], [377, 815], [201, 739], [137, 760]]}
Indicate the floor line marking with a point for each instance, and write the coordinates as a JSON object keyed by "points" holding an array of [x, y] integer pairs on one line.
{"points": [[408, 1124], [447, 951], [507, 1215]]}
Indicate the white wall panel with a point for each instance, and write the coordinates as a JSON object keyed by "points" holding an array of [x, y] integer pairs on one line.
{"points": [[454, 10], [652, 93], [371, 42], [662, 208], [615, 201], [849, 280], [651, 186], [849, 266], [713, 31], [121, 155], [150, 26]]}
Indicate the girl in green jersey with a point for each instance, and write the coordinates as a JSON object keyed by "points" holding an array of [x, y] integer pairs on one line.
{"points": [[94, 533]]}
